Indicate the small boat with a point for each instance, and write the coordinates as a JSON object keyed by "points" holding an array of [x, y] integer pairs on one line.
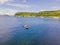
{"points": [[26, 26]]}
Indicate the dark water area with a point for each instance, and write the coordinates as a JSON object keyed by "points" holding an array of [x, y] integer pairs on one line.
{"points": [[42, 31]]}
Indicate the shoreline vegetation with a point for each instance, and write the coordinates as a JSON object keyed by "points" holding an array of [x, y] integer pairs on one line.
{"points": [[42, 14]]}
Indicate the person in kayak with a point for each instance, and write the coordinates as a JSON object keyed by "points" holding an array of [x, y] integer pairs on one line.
{"points": [[26, 26]]}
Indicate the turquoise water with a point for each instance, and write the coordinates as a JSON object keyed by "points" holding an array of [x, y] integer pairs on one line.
{"points": [[42, 31]]}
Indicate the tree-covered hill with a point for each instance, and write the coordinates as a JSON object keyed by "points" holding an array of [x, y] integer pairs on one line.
{"points": [[50, 13], [26, 14], [41, 13]]}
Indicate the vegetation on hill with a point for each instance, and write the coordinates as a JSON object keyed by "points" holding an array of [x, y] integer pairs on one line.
{"points": [[26, 14], [42, 13]]}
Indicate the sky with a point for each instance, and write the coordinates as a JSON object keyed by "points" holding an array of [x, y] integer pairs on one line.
{"points": [[10, 7]]}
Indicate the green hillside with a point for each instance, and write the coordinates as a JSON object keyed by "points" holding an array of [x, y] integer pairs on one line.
{"points": [[42, 13]]}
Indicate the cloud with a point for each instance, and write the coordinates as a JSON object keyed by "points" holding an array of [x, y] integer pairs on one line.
{"points": [[51, 8], [20, 5], [7, 11], [55, 7], [4, 1]]}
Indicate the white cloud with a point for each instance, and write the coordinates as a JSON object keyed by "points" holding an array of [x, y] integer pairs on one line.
{"points": [[51, 8], [4, 1], [7, 11], [20, 5], [55, 7]]}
